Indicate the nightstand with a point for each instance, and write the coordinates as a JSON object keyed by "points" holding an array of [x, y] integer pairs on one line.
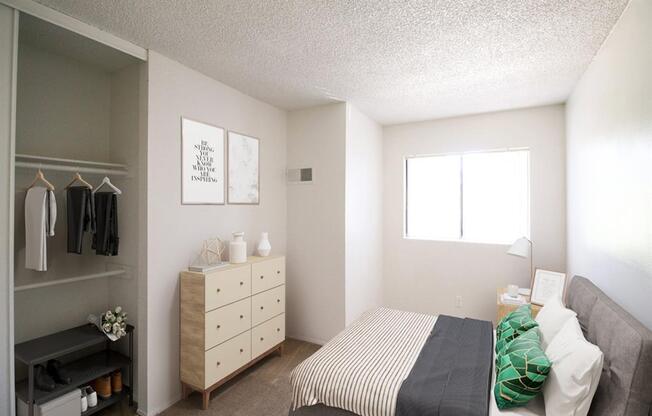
{"points": [[504, 308]]}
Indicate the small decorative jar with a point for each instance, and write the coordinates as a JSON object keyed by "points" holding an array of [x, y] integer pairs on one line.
{"points": [[238, 248], [263, 245]]}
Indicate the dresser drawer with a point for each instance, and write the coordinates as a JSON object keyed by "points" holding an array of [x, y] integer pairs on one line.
{"points": [[267, 274], [226, 322], [266, 305], [226, 358], [223, 287], [267, 335]]}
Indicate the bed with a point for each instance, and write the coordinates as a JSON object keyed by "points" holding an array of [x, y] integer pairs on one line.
{"points": [[350, 377]]}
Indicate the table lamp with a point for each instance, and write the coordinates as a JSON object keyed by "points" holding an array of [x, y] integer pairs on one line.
{"points": [[522, 247]]}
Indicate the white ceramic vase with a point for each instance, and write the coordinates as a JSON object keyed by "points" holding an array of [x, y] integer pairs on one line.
{"points": [[238, 248], [264, 247]]}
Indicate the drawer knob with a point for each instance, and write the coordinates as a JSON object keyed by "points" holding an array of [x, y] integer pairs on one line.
{"points": [[278, 329], [262, 277], [261, 308], [241, 316], [278, 300], [218, 290], [218, 363], [278, 272], [218, 327], [241, 350], [262, 339]]}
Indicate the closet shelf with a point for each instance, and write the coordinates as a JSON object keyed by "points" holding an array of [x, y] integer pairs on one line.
{"points": [[100, 275], [70, 165]]}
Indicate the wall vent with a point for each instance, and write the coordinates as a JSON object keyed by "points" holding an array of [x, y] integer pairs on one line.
{"points": [[300, 176]]}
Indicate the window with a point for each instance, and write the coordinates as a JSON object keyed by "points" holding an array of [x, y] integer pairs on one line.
{"points": [[479, 197]]}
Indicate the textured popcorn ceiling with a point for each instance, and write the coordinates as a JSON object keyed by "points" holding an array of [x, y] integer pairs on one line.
{"points": [[396, 60]]}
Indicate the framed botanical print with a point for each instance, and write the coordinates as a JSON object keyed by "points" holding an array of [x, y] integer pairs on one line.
{"points": [[202, 163], [243, 169], [546, 284]]}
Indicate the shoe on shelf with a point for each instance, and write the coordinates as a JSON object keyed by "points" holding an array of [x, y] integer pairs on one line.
{"points": [[116, 381], [43, 380], [91, 395], [103, 386], [84, 401], [58, 373]]}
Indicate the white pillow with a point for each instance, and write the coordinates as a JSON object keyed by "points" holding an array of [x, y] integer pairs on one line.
{"points": [[575, 372], [551, 318]]}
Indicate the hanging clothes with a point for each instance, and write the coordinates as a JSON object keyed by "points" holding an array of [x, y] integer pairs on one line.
{"points": [[80, 215], [105, 239], [40, 219]]}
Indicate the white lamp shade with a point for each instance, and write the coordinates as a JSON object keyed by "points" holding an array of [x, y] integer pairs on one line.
{"points": [[520, 248]]}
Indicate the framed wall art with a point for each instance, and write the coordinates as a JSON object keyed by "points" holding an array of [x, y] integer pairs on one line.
{"points": [[546, 284], [243, 169], [202, 163]]}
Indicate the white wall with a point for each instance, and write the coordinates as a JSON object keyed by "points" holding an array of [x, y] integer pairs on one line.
{"points": [[316, 239], [426, 276], [175, 232], [8, 42], [609, 151], [363, 213]]}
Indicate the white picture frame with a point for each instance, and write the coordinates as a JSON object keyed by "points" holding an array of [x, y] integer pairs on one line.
{"points": [[243, 167], [202, 163], [546, 284]]}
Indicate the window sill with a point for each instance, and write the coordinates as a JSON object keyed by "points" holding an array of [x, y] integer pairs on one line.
{"points": [[456, 240]]}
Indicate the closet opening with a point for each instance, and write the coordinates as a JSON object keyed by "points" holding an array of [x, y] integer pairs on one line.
{"points": [[78, 204]]}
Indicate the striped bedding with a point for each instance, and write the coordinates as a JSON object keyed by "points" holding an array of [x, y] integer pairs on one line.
{"points": [[354, 371]]}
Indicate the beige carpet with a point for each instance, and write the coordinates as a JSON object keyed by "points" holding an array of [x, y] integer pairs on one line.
{"points": [[263, 390]]}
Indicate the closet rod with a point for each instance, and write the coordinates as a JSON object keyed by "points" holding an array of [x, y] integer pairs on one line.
{"points": [[70, 280], [80, 169], [70, 161]]}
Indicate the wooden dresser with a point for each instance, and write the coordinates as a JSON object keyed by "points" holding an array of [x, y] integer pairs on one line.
{"points": [[230, 318]]}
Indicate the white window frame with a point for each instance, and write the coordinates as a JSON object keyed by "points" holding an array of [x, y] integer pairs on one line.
{"points": [[461, 238]]}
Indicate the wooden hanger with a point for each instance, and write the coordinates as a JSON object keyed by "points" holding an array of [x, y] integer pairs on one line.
{"points": [[106, 181], [40, 177], [77, 178]]}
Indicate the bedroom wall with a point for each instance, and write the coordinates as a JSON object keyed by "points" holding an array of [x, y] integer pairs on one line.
{"points": [[426, 276], [8, 40], [363, 213], [316, 228], [175, 232], [609, 153]]}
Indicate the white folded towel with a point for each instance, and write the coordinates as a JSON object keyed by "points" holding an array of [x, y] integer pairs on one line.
{"points": [[40, 218]]}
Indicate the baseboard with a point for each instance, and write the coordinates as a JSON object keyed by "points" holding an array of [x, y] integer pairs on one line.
{"points": [[307, 339]]}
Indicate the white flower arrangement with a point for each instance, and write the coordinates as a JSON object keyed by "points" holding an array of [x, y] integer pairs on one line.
{"points": [[114, 323]]}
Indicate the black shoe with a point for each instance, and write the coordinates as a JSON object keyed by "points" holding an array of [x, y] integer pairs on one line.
{"points": [[57, 373], [43, 381]]}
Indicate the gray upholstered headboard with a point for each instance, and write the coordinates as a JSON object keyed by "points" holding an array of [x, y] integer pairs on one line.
{"points": [[625, 387]]}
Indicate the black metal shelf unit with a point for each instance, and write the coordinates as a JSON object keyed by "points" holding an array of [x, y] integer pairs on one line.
{"points": [[82, 371]]}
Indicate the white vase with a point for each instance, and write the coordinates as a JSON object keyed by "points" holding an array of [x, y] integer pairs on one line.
{"points": [[238, 249], [263, 245]]}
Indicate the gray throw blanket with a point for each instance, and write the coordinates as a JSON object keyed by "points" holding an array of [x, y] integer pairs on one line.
{"points": [[452, 375]]}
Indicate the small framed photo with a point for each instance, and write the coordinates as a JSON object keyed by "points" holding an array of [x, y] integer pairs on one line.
{"points": [[243, 167], [202, 163], [547, 284]]}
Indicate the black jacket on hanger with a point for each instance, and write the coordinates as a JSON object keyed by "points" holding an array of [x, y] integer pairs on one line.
{"points": [[80, 216], [105, 239]]}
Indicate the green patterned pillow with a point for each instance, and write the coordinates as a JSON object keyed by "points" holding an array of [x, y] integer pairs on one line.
{"points": [[514, 324], [521, 371]]}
